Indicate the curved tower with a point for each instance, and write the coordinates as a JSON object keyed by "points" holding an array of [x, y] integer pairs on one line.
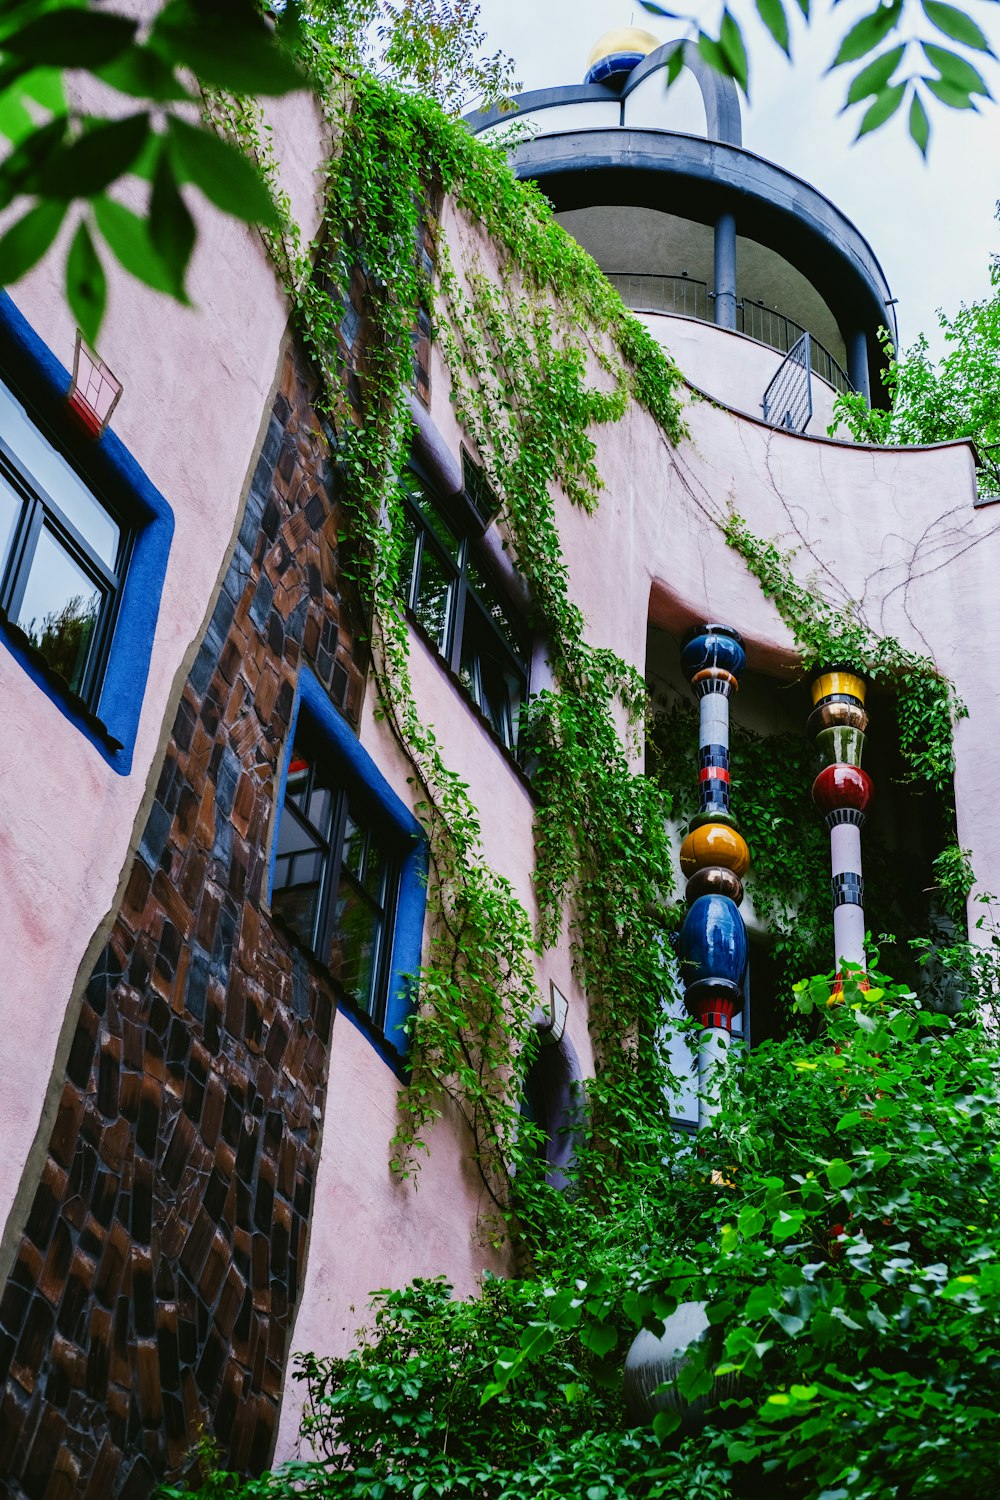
{"points": [[767, 295]]}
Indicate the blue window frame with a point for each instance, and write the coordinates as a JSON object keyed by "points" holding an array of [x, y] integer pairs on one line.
{"points": [[349, 869], [84, 541]]}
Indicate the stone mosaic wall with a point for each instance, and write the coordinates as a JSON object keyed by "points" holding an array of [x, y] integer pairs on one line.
{"points": [[156, 1279]]}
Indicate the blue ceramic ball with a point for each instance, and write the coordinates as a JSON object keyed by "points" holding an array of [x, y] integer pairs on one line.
{"points": [[713, 646], [713, 943]]}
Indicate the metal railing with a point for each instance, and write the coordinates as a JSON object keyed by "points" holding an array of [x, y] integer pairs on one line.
{"points": [[662, 294], [788, 399], [782, 333], [989, 470], [687, 298]]}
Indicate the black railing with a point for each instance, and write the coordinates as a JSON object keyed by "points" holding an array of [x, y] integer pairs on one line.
{"points": [[788, 399], [662, 294], [686, 298], [989, 469], [778, 332]]}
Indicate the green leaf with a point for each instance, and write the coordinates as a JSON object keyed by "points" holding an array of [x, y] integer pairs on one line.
{"points": [[127, 236], [956, 24], [751, 1222], [956, 70], [26, 242], [734, 49], [665, 1423], [16, 121], [714, 55], [171, 227], [86, 289], [72, 38], [143, 74], [866, 34], [45, 86], [227, 45], [223, 173], [98, 157], [675, 65], [772, 13], [21, 166], [883, 109], [848, 1121], [600, 1338], [875, 75], [838, 1173], [950, 94]]}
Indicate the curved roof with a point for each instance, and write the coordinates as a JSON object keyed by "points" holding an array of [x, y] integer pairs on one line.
{"points": [[703, 177]]}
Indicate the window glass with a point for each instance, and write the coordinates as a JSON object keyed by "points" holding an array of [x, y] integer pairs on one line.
{"points": [[61, 482], [453, 600], [357, 943], [487, 599], [432, 604], [59, 609], [11, 506], [333, 878], [298, 876]]}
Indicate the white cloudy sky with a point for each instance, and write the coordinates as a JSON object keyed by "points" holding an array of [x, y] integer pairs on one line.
{"points": [[932, 226]]}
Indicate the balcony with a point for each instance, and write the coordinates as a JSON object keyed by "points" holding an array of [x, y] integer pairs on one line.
{"points": [[683, 297]]}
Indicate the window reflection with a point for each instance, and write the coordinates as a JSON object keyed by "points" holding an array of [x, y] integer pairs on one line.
{"points": [[59, 609]]}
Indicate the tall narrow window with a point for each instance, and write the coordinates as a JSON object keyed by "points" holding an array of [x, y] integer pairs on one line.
{"points": [[450, 596], [335, 877]]}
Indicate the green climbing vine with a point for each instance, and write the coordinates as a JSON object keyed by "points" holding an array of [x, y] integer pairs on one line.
{"points": [[540, 354]]}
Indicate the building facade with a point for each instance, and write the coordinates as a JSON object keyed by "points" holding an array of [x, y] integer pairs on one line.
{"points": [[215, 868]]}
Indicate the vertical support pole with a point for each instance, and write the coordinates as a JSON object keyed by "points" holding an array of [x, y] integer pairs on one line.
{"points": [[842, 792], [725, 271], [714, 857], [857, 363]]}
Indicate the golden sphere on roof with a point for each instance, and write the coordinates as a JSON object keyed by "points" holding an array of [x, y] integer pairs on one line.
{"points": [[623, 40]]}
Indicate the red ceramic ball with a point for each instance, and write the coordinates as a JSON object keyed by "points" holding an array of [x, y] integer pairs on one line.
{"points": [[842, 786]]}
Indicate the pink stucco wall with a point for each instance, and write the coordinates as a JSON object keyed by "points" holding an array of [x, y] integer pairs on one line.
{"points": [[196, 383], [893, 530]]}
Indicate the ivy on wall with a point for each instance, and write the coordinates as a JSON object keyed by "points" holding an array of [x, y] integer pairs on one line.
{"points": [[540, 354]]}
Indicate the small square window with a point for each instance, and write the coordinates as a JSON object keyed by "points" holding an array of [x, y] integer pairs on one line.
{"points": [[60, 571], [84, 542], [348, 867]]}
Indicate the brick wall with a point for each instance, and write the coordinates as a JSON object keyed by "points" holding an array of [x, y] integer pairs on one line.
{"points": [[156, 1279]]}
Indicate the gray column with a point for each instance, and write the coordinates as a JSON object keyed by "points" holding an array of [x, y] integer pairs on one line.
{"points": [[857, 363], [725, 271]]}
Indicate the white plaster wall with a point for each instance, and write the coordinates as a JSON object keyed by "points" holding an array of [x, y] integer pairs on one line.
{"points": [[196, 383], [730, 367]]}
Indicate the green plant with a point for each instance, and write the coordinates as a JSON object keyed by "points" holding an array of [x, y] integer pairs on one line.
{"points": [[936, 401], [911, 68]]}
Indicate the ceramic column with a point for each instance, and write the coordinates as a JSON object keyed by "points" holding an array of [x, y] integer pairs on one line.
{"points": [[714, 857], [842, 792]]}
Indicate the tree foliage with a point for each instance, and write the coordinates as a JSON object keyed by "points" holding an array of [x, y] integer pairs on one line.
{"points": [[900, 44], [840, 1220], [64, 161], [935, 401]]}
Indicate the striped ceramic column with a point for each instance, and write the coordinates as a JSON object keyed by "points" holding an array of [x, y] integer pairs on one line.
{"points": [[842, 792], [714, 855]]}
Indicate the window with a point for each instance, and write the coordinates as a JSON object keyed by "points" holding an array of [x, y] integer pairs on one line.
{"points": [[84, 543], [452, 599], [348, 866], [60, 565]]}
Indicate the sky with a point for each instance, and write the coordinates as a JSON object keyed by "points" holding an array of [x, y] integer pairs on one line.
{"points": [[931, 224]]}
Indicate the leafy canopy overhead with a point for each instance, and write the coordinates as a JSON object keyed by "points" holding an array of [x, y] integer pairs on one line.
{"points": [[68, 166], [911, 52]]}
